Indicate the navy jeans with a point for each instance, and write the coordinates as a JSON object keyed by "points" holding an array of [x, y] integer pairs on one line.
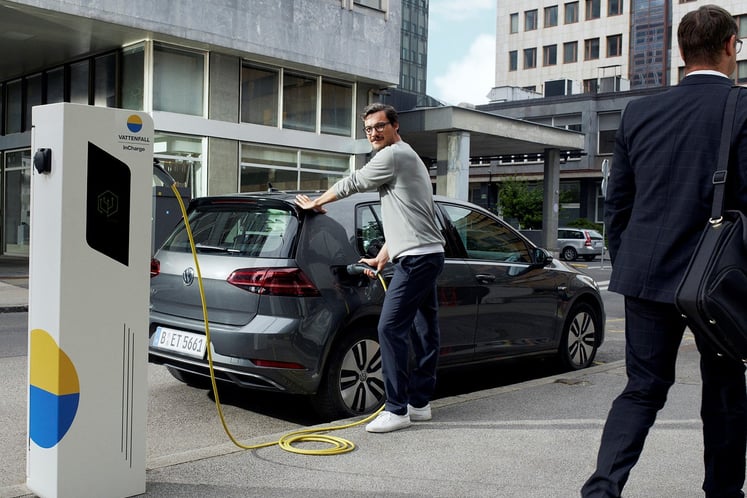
{"points": [[409, 318], [653, 332]]}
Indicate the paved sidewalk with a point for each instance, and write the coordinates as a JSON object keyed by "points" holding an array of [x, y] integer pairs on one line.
{"points": [[14, 282]]}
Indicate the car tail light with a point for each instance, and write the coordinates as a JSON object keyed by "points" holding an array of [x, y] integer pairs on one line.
{"points": [[274, 282], [588, 239], [155, 267]]}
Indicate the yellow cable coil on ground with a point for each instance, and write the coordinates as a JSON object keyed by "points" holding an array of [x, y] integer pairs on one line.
{"points": [[338, 445]]}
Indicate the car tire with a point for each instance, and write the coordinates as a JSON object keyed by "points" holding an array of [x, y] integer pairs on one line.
{"points": [[353, 382], [569, 254], [578, 345], [191, 379]]}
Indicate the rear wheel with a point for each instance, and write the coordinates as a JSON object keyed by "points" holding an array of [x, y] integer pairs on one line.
{"points": [[578, 346], [353, 383], [569, 254]]}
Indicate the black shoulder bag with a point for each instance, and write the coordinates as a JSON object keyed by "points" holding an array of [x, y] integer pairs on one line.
{"points": [[711, 295]]}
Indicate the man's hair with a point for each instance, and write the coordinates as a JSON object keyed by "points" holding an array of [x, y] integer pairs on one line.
{"points": [[391, 112], [702, 34]]}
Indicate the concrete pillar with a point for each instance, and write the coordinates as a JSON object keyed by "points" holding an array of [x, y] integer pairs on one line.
{"points": [[551, 204], [452, 168]]}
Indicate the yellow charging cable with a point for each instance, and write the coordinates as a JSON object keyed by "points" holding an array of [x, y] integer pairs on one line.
{"points": [[338, 445]]}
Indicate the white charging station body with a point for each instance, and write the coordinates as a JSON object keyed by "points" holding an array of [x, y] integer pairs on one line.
{"points": [[88, 300]]}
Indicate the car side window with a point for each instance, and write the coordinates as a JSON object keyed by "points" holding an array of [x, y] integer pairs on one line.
{"points": [[486, 238], [369, 233]]}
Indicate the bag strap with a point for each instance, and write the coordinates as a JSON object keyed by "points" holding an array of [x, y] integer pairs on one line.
{"points": [[720, 174]]}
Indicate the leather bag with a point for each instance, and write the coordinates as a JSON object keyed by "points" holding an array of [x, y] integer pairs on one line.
{"points": [[712, 295]]}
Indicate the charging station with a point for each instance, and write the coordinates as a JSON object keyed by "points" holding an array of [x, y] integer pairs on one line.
{"points": [[91, 197]]}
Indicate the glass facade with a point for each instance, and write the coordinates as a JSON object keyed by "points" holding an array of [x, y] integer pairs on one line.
{"points": [[178, 80], [414, 56], [16, 202], [651, 26]]}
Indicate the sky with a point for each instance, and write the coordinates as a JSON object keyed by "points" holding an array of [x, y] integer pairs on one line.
{"points": [[461, 50]]}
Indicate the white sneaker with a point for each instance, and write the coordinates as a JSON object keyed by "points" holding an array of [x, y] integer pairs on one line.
{"points": [[388, 422], [419, 414]]}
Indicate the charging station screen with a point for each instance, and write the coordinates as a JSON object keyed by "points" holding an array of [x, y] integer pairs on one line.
{"points": [[108, 205]]}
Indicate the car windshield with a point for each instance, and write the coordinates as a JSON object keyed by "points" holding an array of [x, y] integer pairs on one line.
{"points": [[244, 229]]}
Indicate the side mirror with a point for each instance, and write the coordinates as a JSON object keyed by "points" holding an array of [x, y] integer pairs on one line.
{"points": [[541, 257]]}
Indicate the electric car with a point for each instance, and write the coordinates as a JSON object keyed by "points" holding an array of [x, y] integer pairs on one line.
{"points": [[285, 314]]}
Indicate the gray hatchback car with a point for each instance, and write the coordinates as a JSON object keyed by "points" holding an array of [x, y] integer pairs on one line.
{"points": [[285, 315]]}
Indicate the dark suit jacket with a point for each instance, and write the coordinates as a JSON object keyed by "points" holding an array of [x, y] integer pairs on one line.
{"points": [[659, 192]]}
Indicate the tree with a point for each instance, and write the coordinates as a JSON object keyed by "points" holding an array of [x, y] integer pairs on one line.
{"points": [[519, 200]]}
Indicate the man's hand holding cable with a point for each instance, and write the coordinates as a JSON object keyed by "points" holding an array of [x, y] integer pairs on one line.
{"points": [[379, 262]]}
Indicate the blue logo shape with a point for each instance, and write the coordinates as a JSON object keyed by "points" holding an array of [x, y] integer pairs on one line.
{"points": [[134, 123]]}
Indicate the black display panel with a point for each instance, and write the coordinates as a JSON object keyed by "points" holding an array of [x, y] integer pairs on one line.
{"points": [[108, 205]]}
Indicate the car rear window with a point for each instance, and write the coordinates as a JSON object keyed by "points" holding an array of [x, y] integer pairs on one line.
{"points": [[242, 229]]}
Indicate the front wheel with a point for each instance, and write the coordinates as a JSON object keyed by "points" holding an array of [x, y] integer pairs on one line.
{"points": [[578, 345], [353, 383]]}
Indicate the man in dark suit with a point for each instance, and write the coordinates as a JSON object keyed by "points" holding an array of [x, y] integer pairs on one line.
{"points": [[658, 202]]}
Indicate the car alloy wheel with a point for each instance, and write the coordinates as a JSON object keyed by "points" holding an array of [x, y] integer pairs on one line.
{"points": [[353, 384], [569, 254], [578, 346]]}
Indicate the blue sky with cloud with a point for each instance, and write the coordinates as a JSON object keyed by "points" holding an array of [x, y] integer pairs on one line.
{"points": [[461, 50]]}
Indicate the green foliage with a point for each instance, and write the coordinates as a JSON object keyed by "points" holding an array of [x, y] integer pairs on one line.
{"points": [[522, 202], [584, 223]]}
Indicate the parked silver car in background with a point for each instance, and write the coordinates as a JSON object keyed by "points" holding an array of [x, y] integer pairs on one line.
{"points": [[575, 242], [285, 315]]}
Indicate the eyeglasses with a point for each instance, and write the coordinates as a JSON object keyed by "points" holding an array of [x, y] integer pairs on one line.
{"points": [[738, 45], [379, 127]]}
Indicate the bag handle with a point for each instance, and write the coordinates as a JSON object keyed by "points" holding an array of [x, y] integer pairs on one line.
{"points": [[720, 174]]}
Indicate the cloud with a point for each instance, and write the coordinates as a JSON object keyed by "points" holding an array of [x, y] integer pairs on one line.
{"points": [[449, 10], [472, 77]]}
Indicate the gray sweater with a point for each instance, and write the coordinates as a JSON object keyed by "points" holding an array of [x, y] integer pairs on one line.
{"points": [[406, 194]]}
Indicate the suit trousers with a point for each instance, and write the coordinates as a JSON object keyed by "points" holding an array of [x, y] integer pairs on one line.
{"points": [[409, 318], [653, 333]]}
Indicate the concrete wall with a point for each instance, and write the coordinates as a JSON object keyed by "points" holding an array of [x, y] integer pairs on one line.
{"points": [[318, 34]]}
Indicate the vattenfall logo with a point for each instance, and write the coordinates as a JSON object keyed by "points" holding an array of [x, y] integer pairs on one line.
{"points": [[134, 126]]}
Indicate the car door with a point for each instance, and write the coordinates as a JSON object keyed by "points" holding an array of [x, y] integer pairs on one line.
{"points": [[517, 300], [456, 290]]}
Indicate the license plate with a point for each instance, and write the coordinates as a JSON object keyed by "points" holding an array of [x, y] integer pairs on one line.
{"points": [[180, 342]]}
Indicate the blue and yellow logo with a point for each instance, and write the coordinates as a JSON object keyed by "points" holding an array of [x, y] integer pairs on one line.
{"points": [[134, 123], [54, 390]]}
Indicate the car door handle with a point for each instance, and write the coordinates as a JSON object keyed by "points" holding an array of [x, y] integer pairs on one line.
{"points": [[485, 278]]}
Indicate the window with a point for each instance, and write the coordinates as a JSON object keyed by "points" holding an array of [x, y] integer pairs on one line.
{"points": [[178, 80], [530, 58], [33, 97], [608, 124], [571, 12], [55, 85], [614, 7], [260, 88], [373, 4], [337, 108], [514, 22], [530, 20], [16, 198], [591, 49], [485, 238], [289, 169], [105, 80], [568, 122], [614, 46], [14, 106], [551, 16], [550, 55], [742, 72], [742, 23], [590, 86], [593, 9], [133, 74], [369, 230], [181, 157], [513, 60], [79, 82], [299, 102], [570, 52]]}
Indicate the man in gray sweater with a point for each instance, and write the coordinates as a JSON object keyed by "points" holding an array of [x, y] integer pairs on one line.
{"points": [[414, 244]]}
